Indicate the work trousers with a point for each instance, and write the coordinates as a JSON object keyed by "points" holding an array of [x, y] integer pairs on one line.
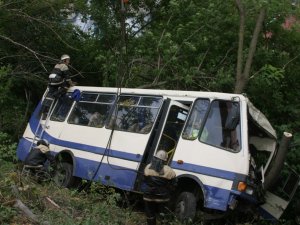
{"points": [[152, 209]]}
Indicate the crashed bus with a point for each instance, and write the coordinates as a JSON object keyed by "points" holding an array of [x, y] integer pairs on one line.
{"points": [[224, 151]]}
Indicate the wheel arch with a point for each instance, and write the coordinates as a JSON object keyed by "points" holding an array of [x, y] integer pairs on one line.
{"points": [[66, 156], [193, 184]]}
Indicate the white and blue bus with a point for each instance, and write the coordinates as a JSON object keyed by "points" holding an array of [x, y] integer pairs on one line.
{"points": [[221, 147]]}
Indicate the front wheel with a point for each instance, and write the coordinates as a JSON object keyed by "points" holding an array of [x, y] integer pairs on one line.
{"points": [[63, 175], [185, 208]]}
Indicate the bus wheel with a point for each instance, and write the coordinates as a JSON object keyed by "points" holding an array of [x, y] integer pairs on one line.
{"points": [[185, 208], [63, 175]]}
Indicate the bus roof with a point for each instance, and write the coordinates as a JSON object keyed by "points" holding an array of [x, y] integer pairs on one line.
{"points": [[161, 92]]}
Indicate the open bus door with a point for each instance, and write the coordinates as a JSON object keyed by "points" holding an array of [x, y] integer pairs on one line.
{"points": [[172, 128], [165, 134]]}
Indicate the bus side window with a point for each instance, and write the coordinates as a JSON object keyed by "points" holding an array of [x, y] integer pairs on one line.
{"points": [[62, 108], [194, 124], [135, 113], [92, 110], [89, 114], [80, 114], [216, 133]]}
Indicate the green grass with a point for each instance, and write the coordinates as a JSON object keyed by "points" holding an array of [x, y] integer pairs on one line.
{"points": [[99, 206]]}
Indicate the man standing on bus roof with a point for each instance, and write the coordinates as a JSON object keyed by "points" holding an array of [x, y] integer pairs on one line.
{"points": [[59, 83], [60, 77], [159, 178]]}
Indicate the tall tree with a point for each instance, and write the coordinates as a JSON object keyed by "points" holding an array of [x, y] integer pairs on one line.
{"points": [[242, 74]]}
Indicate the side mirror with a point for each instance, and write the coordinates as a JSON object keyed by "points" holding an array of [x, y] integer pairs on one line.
{"points": [[233, 117]]}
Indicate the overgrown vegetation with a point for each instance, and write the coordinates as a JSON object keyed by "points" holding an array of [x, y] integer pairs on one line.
{"points": [[96, 205], [172, 44], [7, 148], [54, 205]]}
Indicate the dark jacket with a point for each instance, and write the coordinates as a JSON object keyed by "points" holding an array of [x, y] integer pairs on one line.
{"points": [[38, 156], [159, 186], [60, 76]]}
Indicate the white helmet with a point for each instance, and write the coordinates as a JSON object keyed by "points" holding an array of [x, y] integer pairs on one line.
{"points": [[65, 56], [161, 154]]}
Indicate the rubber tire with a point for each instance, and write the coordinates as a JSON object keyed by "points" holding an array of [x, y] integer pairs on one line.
{"points": [[186, 206], [63, 175]]}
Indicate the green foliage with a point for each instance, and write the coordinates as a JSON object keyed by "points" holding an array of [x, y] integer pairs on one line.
{"points": [[7, 148], [173, 44], [294, 153], [6, 213], [12, 117]]}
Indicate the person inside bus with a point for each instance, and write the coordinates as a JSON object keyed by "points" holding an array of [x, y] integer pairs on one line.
{"points": [[160, 180], [95, 120], [39, 155], [196, 130]]}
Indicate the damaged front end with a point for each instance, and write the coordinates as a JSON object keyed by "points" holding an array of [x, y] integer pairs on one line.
{"points": [[271, 185]]}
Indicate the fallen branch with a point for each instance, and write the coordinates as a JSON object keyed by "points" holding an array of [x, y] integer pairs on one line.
{"points": [[152, 85], [20, 205], [49, 200], [15, 191], [27, 48], [9, 203]]}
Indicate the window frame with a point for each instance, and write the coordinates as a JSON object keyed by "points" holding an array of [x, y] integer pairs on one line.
{"points": [[205, 118], [136, 105], [94, 102], [68, 96]]}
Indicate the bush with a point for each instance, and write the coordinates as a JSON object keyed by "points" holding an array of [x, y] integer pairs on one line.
{"points": [[7, 148]]}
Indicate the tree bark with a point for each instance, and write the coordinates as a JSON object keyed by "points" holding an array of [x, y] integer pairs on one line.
{"points": [[241, 42], [28, 213], [242, 78]]}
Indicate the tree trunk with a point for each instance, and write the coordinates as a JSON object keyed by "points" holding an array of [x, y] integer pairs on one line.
{"points": [[243, 77], [239, 65]]}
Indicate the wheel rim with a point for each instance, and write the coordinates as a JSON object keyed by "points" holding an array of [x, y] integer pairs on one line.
{"points": [[60, 175]]}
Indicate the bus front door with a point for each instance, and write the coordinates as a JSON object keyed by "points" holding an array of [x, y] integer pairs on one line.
{"points": [[172, 128], [166, 134]]}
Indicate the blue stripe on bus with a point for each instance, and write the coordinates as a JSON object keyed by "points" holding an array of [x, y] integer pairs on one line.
{"points": [[23, 149], [124, 178], [120, 177], [216, 198], [132, 157], [24, 146], [137, 158], [206, 171], [34, 120], [93, 149], [111, 175]]}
